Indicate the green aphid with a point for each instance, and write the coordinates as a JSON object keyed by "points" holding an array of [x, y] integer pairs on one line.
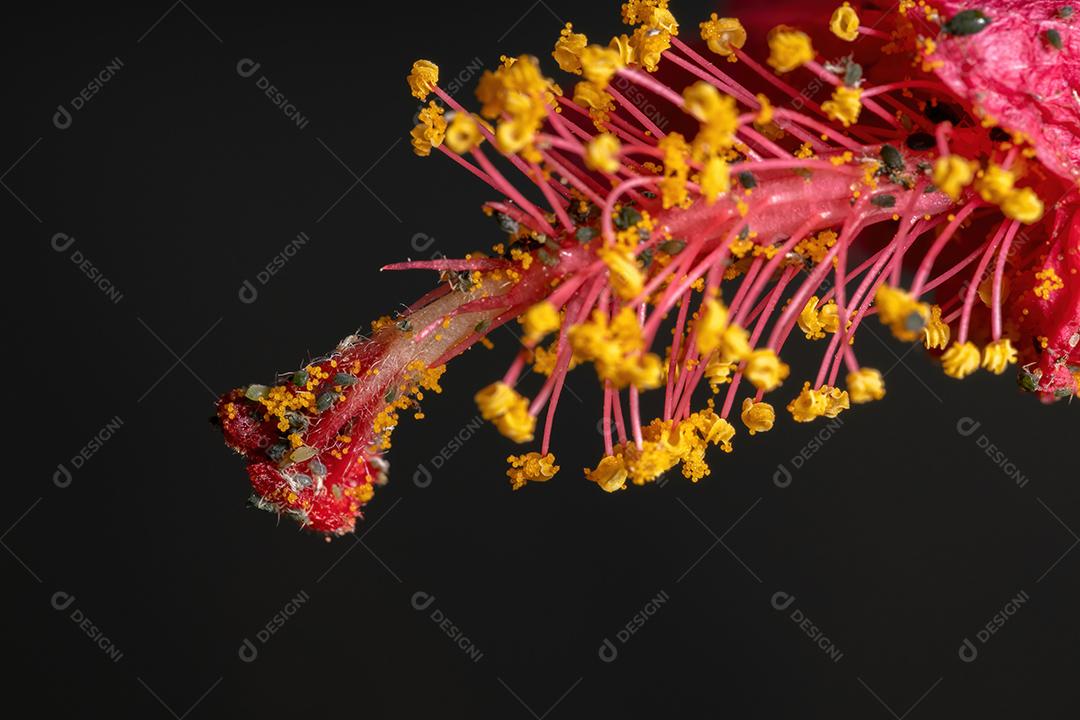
{"points": [[883, 201], [302, 453], [547, 258], [966, 22], [627, 217], [1053, 37], [507, 224], [300, 378], [297, 422], [1028, 380], [894, 161], [256, 392], [673, 247], [585, 234], [747, 180], [277, 451], [852, 74], [344, 379], [325, 401]]}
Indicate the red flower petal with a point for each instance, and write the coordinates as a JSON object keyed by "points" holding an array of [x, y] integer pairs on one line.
{"points": [[1015, 75]]}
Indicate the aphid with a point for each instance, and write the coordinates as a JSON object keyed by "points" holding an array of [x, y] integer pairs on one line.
{"points": [[894, 161], [302, 453], [966, 22], [256, 392], [326, 400], [673, 247]]}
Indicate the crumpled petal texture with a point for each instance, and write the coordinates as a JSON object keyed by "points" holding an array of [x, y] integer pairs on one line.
{"points": [[1012, 73]]}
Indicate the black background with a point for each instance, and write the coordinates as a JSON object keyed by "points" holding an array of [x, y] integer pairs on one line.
{"points": [[899, 537]]}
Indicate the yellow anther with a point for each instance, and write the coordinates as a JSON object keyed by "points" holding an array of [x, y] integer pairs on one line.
{"points": [[845, 23], [829, 315], [430, 131], [423, 78], [568, 49], [676, 170], [602, 153], [610, 474], [810, 321], [735, 344], [626, 277], [765, 370], [809, 405], [718, 115], [594, 98], [845, 105], [998, 356], [616, 350], [531, 467], [715, 179], [960, 360], [508, 410], [789, 49], [712, 428], [539, 320], [836, 400], [995, 184], [1023, 205], [952, 174], [517, 424], [463, 133], [757, 416], [723, 35], [599, 64], [936, 333], [765, 112], [718, 373], [904, 315], [711, 322], [649, 45], [621, 45], [865, 385]]}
